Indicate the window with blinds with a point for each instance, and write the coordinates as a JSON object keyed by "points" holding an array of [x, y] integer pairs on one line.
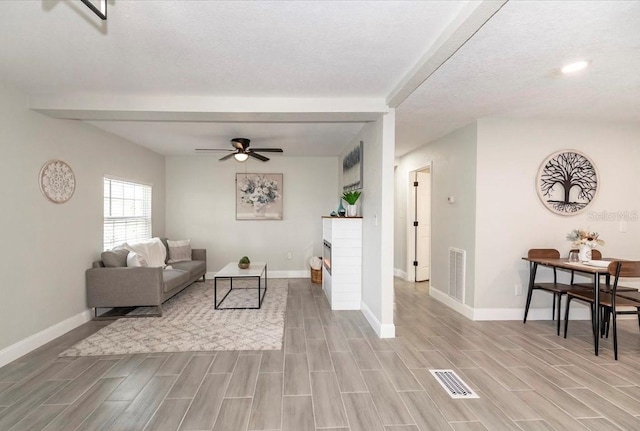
{"points": [[127, 212]]}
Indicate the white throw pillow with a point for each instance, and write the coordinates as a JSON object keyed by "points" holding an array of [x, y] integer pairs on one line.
{"points": [[179, 251], [135, 259]]}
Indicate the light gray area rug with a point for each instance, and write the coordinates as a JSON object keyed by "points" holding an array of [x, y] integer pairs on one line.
{"points": [[190, 323]]}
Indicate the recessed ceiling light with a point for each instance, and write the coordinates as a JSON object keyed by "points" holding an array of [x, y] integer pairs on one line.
{"points": [[574, 67]]}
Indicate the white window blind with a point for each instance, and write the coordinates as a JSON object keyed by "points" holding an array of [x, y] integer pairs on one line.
{"points": [[127, 212]]}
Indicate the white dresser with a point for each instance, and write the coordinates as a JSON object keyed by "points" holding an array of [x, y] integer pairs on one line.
{"points": [[342, 262]]}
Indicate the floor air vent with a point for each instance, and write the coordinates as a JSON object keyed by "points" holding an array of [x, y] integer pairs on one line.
{"points": [[453, 384]]}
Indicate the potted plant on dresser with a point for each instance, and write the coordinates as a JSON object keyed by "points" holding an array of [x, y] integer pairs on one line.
{"points": [[351, 198]]}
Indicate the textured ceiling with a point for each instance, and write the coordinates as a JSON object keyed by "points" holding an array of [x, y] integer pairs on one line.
{"points": [[180, 138], [511, 68], [219, 48], [347, 50]]}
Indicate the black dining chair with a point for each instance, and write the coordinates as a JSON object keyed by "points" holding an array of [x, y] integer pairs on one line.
{"points": [[555, 288], [609, 302]]}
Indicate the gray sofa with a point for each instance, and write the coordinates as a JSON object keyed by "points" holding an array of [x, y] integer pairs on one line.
{"points": [[115, 287]]}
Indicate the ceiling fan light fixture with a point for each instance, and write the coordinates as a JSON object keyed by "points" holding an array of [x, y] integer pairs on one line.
{"points": [[241, 157], [574, 67]]}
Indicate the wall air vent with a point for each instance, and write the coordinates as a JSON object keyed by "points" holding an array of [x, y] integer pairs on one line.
{"points": [[457, 269]]}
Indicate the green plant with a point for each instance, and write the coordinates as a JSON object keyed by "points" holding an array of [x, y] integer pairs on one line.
{"points": [[351, 197], [244, 259]]}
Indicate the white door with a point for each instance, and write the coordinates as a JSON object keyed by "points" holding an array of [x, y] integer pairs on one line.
{"points": [[423, 230]]}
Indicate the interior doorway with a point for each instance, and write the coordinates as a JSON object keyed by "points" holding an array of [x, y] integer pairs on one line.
{"points": [[419, 226]]}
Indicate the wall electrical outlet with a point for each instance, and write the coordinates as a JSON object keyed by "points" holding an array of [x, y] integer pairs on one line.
{"points": [[518, 290], [289, 255]]}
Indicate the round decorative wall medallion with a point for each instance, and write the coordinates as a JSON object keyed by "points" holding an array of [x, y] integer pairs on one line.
{"points": [[57, 181], [567, 182]]}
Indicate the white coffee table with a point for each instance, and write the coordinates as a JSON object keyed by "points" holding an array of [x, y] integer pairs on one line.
{"points": [[231, 271]]}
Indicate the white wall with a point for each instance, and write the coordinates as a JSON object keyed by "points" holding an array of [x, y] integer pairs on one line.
{"points": [[201, 206], [47, 247], [376, 208], [511, 218], [453, 159]]}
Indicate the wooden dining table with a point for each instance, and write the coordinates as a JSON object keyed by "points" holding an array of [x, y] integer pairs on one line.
{"points": [[563, 263]]}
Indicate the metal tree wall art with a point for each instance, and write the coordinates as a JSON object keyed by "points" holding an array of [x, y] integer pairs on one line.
{"points": [[567, 182]]}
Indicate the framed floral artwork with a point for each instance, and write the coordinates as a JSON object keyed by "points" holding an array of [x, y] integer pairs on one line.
{"points": [[258, 196]]}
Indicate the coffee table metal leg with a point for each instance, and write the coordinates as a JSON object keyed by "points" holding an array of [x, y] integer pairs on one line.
{"points": [[215, 293]]}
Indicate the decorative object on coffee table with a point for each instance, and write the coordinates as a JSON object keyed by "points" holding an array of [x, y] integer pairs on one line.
{"points": [[57, 181], [351, 198], [244, 263]]}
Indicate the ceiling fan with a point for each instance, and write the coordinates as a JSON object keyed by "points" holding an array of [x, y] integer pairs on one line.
{"points": [[242, 151]]}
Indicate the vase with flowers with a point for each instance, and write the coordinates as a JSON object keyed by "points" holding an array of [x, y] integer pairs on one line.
{"points": [[585, 241]]}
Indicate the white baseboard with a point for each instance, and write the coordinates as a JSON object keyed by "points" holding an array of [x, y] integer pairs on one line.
{"points": [[290, 274], [273, 274], [455, 305], [345, 305], [578, 311], [401, 274], [383, 330], [22, 347]]}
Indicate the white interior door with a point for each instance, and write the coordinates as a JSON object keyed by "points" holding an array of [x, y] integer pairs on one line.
{"points": [[423, 230]]}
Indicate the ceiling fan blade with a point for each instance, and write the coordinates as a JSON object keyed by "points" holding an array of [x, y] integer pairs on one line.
{"points": [[212, 149], [267, 150], [228, 156], [258, 156]]}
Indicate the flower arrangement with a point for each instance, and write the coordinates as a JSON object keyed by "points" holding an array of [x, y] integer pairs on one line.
{"points": [[584, 237], [258, 191]]}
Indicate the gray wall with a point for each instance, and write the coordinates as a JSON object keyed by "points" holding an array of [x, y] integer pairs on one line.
{"points": [[453, 159], [376, 209], [201, 206], [46, 246], [490, 167], [511, 218]]}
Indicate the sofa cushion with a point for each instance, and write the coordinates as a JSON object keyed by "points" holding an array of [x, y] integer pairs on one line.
{"points": [[195, 268], [174, 278], [114, 258], [179, 251]]}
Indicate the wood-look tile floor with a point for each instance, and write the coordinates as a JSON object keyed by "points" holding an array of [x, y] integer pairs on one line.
{"points": [[334, 374]]}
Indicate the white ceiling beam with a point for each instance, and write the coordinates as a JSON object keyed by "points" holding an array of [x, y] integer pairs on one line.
{"points": [[209, 109], [459, 31]]}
